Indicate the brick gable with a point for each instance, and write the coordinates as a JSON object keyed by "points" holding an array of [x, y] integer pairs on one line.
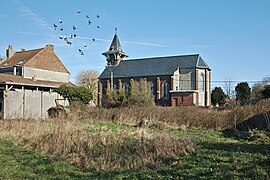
{"points": [[47, 60]]}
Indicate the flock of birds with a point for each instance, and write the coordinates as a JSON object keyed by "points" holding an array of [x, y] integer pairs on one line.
{"points": [[68, 38]]}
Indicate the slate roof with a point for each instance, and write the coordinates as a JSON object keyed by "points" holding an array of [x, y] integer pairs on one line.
{"points": [[156, 66], [18, 80], [42, 58], [115, 47]]}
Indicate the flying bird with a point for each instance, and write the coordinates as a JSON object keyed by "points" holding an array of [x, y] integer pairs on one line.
{"points": [[89, 22], [74, 28], [55, 26], [70, 36], [68, 42], [98, 16], [74, 35], [93, 39], [87, 16], [81, 52], [84, 45], [61, 28], [98, 27], [78, 12], [60, 21], [60, 37]]}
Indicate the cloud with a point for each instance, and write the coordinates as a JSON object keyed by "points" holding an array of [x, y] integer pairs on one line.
{"points": [[27, 12]]}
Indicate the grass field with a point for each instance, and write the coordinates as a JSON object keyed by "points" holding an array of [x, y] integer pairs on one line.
{"points": [[218, 155]]}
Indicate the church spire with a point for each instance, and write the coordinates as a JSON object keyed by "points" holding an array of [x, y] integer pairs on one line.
{"points": [[115, 54]]}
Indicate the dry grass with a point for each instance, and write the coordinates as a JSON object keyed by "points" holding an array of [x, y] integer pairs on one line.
{"points": [[90, 144], [181, 117], [95, 146]]}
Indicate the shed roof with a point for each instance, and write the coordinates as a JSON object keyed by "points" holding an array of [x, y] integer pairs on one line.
{"points": [[18, 80], [156, 66]]}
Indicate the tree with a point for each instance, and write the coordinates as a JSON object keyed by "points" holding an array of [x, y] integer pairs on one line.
{"points": [[243, 92], [228, 86], [266, 92], [88, 79], [266, 80], [218, 96], [256, 93], [260, 90], [140, 93]]}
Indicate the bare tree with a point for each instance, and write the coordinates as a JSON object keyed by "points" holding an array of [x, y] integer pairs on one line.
{"points": [[229, 87], [266, 79], [88, 79]]}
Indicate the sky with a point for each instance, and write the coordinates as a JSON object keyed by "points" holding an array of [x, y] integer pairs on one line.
{"points": [[232, 36]]}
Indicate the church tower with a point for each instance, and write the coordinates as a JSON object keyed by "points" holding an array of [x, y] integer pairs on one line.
{"points": [[115, 54]]}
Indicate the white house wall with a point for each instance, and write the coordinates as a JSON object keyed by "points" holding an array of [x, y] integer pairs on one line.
{"points": [[40, 74], [207, 92], [26, 104]]}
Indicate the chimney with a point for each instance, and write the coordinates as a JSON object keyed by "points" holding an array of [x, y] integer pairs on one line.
{"points": [[10, 52], [51, 46]]}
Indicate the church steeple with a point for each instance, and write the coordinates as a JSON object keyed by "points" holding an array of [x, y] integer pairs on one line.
{"points": [[115, 54]]}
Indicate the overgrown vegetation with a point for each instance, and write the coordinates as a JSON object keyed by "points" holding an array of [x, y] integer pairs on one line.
{"points": [[175, 117], [176, 143], [87, 145], [218, 156]]}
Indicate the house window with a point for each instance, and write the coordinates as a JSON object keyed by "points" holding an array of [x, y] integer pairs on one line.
{"points": [[165, 89], [201, 83]]}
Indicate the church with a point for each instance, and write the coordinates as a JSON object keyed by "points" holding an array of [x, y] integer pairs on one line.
{"points": [[182, 80]]}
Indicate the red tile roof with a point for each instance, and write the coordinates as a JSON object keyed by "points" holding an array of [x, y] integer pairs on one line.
{"points": [[43, 58]]}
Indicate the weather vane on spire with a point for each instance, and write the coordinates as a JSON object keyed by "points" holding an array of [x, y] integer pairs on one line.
{"points": [[115, 30]]}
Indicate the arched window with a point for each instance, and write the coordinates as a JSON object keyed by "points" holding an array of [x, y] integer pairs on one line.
{"points": [[152, 88], [165, 89], [201, 83], [127, 88]]}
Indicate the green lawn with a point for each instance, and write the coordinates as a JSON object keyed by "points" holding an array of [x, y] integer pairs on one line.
{"points": [[218, 156]]}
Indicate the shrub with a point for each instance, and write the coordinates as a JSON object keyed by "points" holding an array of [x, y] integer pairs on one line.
{"points": [[139, 95], [76, 94]]}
